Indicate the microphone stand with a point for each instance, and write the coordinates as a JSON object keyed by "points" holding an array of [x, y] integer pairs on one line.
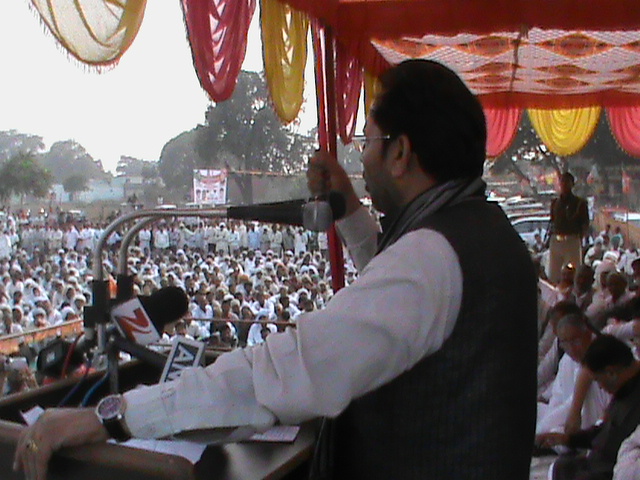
{"points": [[96, 315], [124, 280]]}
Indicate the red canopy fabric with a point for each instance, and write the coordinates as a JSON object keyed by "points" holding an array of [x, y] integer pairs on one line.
{"points": [[502, 126], [516, 53], [217, 31], [625, 126], [356, 19]]}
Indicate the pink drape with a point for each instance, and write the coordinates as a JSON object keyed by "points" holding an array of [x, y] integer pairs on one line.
{"points": [[217, 32], [349, 78], [502, 126], [625, 126]]}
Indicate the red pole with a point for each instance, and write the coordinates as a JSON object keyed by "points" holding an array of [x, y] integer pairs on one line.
{"points": [[325, 90]]}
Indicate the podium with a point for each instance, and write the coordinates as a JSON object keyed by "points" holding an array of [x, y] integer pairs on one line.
{"points": [[238, 461]]}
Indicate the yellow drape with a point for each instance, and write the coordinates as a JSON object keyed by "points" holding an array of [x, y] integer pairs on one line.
{"points": [[565, 132], [284, 49], [371, 89], [96, 32]]}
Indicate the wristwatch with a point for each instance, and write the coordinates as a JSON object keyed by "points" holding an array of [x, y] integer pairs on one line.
{"points": [[110, 411]]}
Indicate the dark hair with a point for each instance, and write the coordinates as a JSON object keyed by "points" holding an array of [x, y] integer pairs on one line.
{"points": [[607, 351], [627, 311], [566, 176], [563, 308], [443, 120], [577, 320]]}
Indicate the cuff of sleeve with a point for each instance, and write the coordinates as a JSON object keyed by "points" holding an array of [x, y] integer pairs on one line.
{"points": [[356, 228], [221, 395], [145, 415]]}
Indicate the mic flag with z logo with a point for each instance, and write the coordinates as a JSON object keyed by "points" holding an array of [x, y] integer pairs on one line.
{"points": [[133, 322]]}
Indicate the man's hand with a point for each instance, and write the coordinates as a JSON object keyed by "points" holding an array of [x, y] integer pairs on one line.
{"points": [[55, 429], [325, 174], [551, 439]]}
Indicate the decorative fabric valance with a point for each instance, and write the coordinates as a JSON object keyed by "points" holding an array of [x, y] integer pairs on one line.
{"points": [[94, 32], [284, 49], [217, 32], [625, 126], [502, 126], [562, 60], [565, 132]]}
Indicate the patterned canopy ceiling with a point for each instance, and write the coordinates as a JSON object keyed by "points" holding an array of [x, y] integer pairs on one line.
{"points": [[575, 68]]}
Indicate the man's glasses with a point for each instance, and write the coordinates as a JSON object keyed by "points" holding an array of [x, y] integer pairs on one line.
{"points": [[360, 141]]}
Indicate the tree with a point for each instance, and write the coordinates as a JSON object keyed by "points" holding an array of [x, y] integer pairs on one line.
{"points": [[75, 184], [135, 167], [68, 158], [244, 134], [177, 161], [23, 175], [13, 143]]}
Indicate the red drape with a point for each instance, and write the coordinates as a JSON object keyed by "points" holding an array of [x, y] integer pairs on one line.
{"points": [[625, 126], [217, 32], [502, 126], [349, 77]]}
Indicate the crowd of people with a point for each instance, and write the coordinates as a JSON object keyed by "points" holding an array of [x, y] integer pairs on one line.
{"points": [[588, 374], [244, 280], [443, 316]]}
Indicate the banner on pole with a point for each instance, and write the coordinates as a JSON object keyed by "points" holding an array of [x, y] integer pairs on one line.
{"points": [[210, 186]]}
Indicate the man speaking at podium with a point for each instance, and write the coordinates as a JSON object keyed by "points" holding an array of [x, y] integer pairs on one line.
{"points": [[427, 360]]}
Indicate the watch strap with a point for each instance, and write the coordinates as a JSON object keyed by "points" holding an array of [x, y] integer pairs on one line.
{"points": [[116, 429]]}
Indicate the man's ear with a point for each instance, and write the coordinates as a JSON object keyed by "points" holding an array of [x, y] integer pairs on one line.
{"points": [[401, 155]]}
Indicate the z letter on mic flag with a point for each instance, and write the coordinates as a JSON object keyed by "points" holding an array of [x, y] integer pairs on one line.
{"points": [[134, 323]]}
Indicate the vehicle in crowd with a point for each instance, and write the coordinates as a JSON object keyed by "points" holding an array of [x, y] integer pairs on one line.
{"points": [[528, 226]]}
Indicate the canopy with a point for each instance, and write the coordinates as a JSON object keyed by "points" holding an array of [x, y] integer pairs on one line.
{"points": [[569, 56]]}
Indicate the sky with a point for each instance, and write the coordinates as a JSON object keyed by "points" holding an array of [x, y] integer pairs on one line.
{"points": [[133, 109]]}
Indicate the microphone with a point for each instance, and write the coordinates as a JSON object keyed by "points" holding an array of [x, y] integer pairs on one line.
{"points": [[315, 215], [142, 319]]}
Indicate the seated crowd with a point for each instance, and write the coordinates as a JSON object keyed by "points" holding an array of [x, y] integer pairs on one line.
{"points": [[588, 371], [243, 280]]}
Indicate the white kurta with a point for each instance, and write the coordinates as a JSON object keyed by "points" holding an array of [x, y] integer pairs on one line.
{"points": [[552, 416], [402, 307], [628, 463]]}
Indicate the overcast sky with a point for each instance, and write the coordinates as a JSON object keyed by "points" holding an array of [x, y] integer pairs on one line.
{"points": [[151, 96]]}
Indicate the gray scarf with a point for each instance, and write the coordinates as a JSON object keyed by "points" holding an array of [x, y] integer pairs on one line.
{"points": [[426, 204]]}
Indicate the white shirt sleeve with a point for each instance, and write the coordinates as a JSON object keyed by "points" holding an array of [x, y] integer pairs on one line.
{"points": [[628, 464], [360, 232], [401, 308]]}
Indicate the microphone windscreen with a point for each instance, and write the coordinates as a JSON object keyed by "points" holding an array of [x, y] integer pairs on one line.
{"points": [[166, 305], [317, 215]]}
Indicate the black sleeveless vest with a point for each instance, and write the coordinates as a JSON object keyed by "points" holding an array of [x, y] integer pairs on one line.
{"points": [[467, 411]]}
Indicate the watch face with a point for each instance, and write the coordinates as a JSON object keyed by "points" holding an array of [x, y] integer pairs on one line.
{"points": [[110, 406]]}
